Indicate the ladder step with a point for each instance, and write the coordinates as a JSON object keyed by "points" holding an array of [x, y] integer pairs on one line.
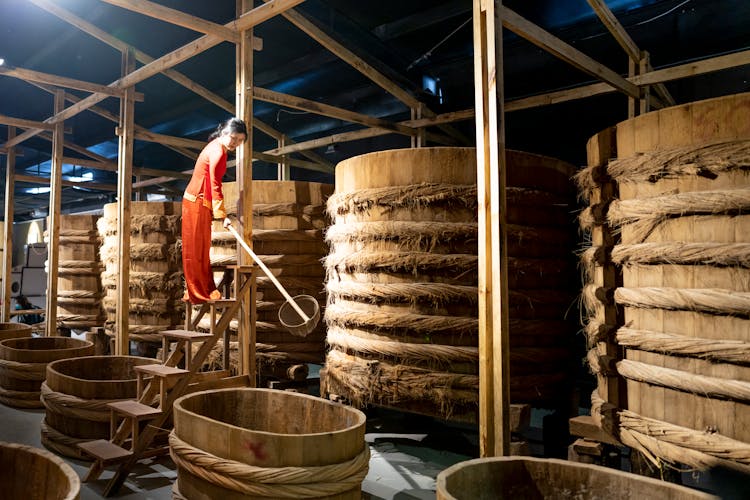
{"points": [[185, 335], [104, 451], [134, 409], [158, 370], [221, 302]]}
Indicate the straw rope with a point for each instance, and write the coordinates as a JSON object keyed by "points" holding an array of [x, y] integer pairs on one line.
{"points": [[405, 196], [23, 371], [706, 160], [68, 405], [700, 385], [279, 482], [727, 351], [699, 449], [678, 252], [707, 300], [79, 267], [413, 233], [145, 224], [78, 232], [402, 293], [337, 314], [290, 209], [20, 399], [287, 235], [78, 294], [62, 443], [409, 262], [410, 352], [143, 252], [78, 240]]}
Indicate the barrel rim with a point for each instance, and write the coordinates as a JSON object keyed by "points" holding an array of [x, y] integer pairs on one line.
{"points": [[74, 481], [87, 359], [82, 345], [361, 417], [605, 471]]}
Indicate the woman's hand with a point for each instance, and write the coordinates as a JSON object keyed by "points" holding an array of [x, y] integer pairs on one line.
{"points": [[227, 222]]}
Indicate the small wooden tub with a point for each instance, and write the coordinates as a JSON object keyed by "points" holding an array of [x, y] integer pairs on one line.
{"points": [[14, 331], [539, 478], [23, 364], [34, 474], [270, 444], [76, 394]]}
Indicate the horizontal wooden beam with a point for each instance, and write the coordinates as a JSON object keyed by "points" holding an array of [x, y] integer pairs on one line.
{"points": [[541, 38], [308, 105], [33, 179], [147, 136], [62, 81], [687, 70], [110, 166], [20, 122]]}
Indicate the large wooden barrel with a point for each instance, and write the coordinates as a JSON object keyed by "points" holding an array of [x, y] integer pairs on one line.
{"points": [[75, 395], [668, 281], [79, 282], [269, 444], [156, 285], [288, 223], [14, 330], [402, 281], [501, 478], [34, 474], [23, 364]]}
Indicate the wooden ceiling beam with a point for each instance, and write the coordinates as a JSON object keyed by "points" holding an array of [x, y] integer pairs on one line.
{"points": [[545, 40], [61, 81], [308, 105], [110, 166], [33, 179], [618, 31], [246, 21], [20, 122]]}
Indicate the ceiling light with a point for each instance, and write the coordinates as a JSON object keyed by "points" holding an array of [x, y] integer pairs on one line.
{"points": [[2, 61]]}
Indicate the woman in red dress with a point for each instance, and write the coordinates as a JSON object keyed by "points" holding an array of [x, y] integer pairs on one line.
{"points": [[202, 202]]}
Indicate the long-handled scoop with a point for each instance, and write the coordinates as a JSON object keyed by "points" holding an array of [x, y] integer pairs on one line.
{"points": [[309, 319]]}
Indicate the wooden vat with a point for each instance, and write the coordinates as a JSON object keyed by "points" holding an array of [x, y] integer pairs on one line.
{"points": [[402, 281], [23, 363], [270, 444], [33, 474], [529, 478], [79, 283], [668, 281], [14, 330], [288, 223], [75, 396], [156, 285]]}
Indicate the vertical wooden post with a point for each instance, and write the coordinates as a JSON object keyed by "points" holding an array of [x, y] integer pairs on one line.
{"points": [[53, 230], [644, 65], [419, 140], [124, 193], [10, 180], [283, 173], [244, 107], [494, 388]]}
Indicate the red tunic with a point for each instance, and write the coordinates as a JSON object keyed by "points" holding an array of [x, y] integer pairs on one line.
{"points": [[203, 200]]}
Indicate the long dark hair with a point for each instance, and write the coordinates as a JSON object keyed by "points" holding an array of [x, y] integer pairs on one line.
{"points": [[232, 126]]}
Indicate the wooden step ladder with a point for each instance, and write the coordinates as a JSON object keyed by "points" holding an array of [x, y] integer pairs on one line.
{"points": [[161, 385]]}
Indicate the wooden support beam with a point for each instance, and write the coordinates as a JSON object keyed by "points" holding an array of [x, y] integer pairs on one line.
{"points": [[494, 343], [7, 266], [124, 193], [61, 81], [45, 181], [109, 166], [695, 68], [53, 227], [541, 38], [244, 169], [246, 21], [20, 122], [319, 108]]}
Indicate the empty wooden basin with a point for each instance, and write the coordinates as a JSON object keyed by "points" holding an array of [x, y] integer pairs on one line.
{"points": [[33, 474]]}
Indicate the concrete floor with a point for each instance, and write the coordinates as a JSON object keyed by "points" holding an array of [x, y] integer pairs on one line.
{"points": [[406, 456]]}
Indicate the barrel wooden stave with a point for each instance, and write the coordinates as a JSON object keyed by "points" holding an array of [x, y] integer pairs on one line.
{"points": [[87, 384], [35, 474], [267, 429], [538, 478], [14, 330]]}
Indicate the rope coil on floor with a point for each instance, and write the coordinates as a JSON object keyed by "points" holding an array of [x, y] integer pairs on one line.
{"points": [[281, 482]]}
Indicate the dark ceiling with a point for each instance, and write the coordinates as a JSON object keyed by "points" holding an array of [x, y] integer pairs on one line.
{"points": [[406, 40]]}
